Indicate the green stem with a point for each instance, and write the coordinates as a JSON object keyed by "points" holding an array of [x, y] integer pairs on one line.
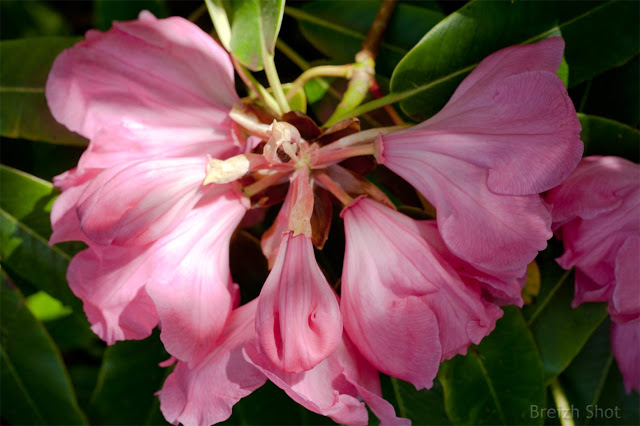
{"points": [[220, 22], [316, 72], [196, 14], [257, 88], [292, 55], [274, 80], [562, 404]]}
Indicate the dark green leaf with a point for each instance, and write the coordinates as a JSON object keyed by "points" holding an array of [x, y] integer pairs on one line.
{"points": [[254, 27], [73, 332], [593, 385], [423, 407], [30, 19], [128, 379], [602, 136], [559, 330], [340, 35], [35, 383], [427, 77], [24, 231], [107, 11], [270, 405], [23, 73], [613, 94], [499, 380]]}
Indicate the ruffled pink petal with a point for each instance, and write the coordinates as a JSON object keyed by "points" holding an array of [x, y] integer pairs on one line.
{"points": [[166, 81], [135, 203], [625, 341], [324, 389], [404, 307], [298, 321], [110, 282], [205, 394], [191, 284], [503, 287]]}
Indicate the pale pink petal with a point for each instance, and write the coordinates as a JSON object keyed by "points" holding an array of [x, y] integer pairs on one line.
{"points": [[166, 81], [205, 394], [324, 389], [110, 282], [404, 307], [298, 321], [270, 241], [191, 284], [625, 341], [135, 203]]}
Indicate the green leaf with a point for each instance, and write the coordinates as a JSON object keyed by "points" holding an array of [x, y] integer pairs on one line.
{"points": [[23, 73], [107, 11], [340, 35], [559, 330], [428, 75], [498, 380], [613, 94], [128, 379], [254, 27], [423, 407], [593, 381], [270, 405], [24, 231], [31, 19], [45, 307], [602, 136], [35, 384]]}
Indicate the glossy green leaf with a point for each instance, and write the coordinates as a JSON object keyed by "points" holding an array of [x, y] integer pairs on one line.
{"points": [[594, 386], [23, 73], [340, 35], [559, 330], [107, 11], [128, 379], [498, 380], [35, 384], [254, 27], [602, 136], [423, 407], [427, 76], [24, 231]]}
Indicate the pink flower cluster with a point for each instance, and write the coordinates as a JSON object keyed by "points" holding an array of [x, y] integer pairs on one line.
{"points": [[169, 175], [596, 213]]}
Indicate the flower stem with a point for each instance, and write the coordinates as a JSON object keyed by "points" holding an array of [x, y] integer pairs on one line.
{"points": [[264, 183], [249, 123], [292, 55], [562, 404], [274, 80], [344, 71], [330, 185], [364, 68], [257, 88]]}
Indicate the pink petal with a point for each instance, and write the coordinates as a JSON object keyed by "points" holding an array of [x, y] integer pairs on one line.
{"points": [[191, 284], [135, 203], [110, 281], [272, 237], [166, 81], [625, 341], [205, 394], [625, 300], [491, 231], [298, 321], [323, 389], [404, 307]]}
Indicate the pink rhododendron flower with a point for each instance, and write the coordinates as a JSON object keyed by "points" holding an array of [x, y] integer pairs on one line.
{"points": [[158, 238], [405, 306], [474, 159], [596, 214]]}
